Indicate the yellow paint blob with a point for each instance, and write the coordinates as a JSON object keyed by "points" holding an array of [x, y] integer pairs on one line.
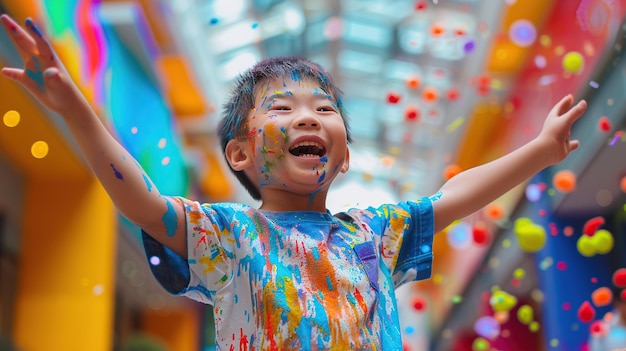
{"points": [[525, 314], [573, 62], [531, 237]]}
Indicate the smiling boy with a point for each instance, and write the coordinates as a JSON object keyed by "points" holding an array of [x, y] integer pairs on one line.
{"points": [[289, 274]]}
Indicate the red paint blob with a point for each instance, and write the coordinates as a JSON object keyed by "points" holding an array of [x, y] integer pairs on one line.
{"points": [[604, 124], [418, 304], [586, 312], [619, 278], [411, 114], [480, 235], [393, 98], [592, 225], [452, 94], [421, 5]]}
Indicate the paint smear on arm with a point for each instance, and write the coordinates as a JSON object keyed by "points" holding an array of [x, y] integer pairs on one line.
{"points": [[148, 182], [118, 174]]}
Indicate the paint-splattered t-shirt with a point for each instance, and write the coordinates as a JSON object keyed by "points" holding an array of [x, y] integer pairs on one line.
{"points": [[300, 280]]}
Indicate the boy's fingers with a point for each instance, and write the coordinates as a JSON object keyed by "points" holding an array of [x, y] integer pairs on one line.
{"points": [[52, 77], [43, 45], [573, 145], [576, 111], [12, 73], [563, 105], [23, 42]]}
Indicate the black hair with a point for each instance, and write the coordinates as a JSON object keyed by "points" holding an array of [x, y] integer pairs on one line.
{"points": [[233, 124]]}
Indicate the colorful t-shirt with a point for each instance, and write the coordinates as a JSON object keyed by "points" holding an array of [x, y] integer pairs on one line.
{"points": [[300, 280]]}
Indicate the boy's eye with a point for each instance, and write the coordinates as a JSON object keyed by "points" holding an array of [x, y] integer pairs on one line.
{"points": [[325, 109], [281, 108]]}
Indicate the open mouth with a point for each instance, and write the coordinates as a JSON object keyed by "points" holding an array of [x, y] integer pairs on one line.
{"points": [[308, 149]]}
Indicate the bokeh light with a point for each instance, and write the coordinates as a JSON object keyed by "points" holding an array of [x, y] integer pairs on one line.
{"points": [[39, 149], [523, 33], [11, 118]]}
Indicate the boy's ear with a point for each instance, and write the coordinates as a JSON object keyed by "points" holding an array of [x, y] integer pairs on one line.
{"points": [[346, 162], [236, 155]]}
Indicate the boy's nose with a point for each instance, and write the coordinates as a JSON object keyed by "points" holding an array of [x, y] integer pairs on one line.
{"points": [[308, 123], [307, 120]]}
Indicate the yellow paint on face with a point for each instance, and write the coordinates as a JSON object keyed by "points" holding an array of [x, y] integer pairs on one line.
{"points": [[273, 141]]}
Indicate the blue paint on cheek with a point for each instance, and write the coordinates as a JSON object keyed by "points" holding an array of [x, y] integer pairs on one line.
{"points": [[118, 174], [170, 220], [148, 183], [37, 74]]}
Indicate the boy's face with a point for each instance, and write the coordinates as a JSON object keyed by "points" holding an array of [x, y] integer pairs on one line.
{"points": [[296, 138]]}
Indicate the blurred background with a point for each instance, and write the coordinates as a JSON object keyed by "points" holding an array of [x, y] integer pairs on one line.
{"points": [[431, 88]]}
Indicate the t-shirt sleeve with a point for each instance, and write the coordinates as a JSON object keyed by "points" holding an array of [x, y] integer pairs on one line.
{"points": [[208, 266], [406, 238]]}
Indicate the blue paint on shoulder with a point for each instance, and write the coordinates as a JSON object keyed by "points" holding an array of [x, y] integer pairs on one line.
{"points": [[169, 219], [436, 197]]}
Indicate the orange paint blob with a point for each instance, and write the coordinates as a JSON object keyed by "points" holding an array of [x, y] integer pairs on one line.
{"points": [[450, 171], [602, 296], [622, 184], [494, 212], [568, 231], [564, 181], [413, 82], [436, 30], [430, 94]]}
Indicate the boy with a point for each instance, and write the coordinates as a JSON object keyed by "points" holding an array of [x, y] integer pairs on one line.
{"points": [[288, 275]]}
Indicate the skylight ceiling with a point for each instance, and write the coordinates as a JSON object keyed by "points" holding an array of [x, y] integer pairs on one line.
{"points": [[407, 68]]}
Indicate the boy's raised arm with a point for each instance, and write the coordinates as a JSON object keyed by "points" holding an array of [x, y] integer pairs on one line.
{"points": [[474, 188], [131, 190]]}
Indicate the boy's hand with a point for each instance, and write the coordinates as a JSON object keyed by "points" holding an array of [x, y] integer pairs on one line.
{"points": [[555, 133], [43, 74]]}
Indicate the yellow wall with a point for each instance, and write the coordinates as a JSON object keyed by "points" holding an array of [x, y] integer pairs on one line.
{"points": [[68, 236], [178, 329], [65, 292], [66, 271]]}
